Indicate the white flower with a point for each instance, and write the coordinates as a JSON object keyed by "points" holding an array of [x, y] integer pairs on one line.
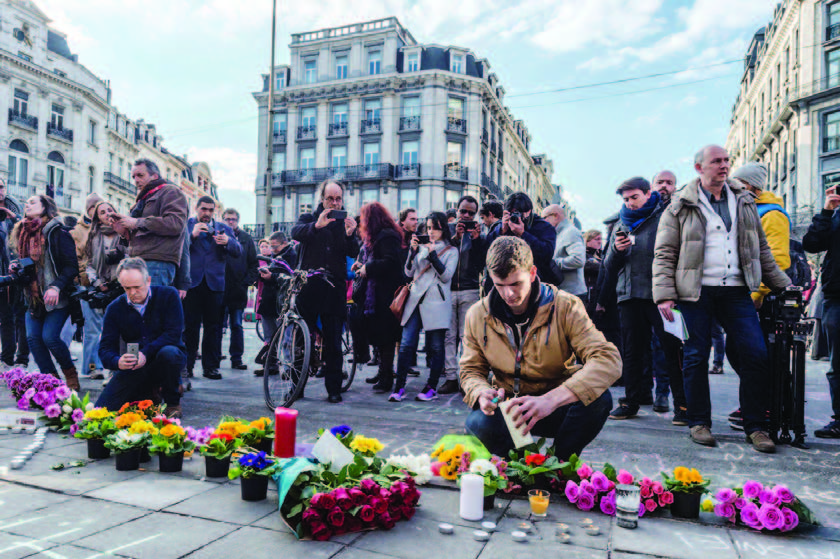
{"points": [[420, 466], [89, 406], [482, 467], [67, 408]]}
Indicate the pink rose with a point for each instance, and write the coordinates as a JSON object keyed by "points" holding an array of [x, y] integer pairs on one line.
{"points": [[385, 521], [650, 505], [371, 487], [646, 481], [667, 498], [320, 531], [336, 517], [646, 491], [342, 498], [585, 501], [600, 482], [725, 510], [310, 515], [357, 496], [791, 520], [588, 488], [752, 489], [366, 513], [608, 507], [584, 471], [725, 495], [323, 501], [740, 503], [572, 491], [768, 497], [783, 494], [771, 517], [379, 505], [642, 509], [408, 512], [624, 477], [749, 516], [657, 487]]}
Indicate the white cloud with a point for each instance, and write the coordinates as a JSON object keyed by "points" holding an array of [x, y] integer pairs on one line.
{"points": [[688, 101], [231, 169]]}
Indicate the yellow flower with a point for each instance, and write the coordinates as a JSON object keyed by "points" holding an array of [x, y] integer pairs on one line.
{"points": [[365, 445], [261, 423], [127, 419], [172, 430], [449, 472], [707, 505], [437, 451], [681, 473], [97, 413], [141, 427], [694, 476]]}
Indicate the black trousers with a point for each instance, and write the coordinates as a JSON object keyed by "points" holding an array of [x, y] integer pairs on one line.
{"points": [[319, 301], [638, 317], [13, 345], [203, 307]]}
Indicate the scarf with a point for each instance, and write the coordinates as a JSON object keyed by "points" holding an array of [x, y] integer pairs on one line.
{"points": [[102, 238], [633, 218], [31, 245], [148, 190]]}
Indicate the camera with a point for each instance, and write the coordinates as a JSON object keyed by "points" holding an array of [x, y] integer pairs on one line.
{"points": [[786, 306], [96, 298], [114, 256], [275, 265], [516, 217], [24, 273]]}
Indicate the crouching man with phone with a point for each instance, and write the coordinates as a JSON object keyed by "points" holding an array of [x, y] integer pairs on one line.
{"points": [[141, 341], [541, 348]]}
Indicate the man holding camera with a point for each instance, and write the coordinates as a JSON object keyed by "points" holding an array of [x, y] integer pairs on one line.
{"points": [[326, 240], [211, 245], [464, 285], [141, 341], [824, 236]]}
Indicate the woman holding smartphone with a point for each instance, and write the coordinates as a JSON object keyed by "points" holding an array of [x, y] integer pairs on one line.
{"points": [[42, 237], [429, 306]]}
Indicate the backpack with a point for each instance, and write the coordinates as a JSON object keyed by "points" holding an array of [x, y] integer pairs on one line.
{"points": [[799, 271]]}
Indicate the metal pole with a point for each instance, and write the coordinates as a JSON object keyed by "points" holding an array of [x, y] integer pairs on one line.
{"points": [[270, 144]]}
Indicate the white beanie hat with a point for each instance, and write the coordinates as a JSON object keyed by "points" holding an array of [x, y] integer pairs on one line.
{"points": [[753, 173]]}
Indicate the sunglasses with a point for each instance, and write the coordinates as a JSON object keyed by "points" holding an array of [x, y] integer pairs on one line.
{"points": [[466, 212]]}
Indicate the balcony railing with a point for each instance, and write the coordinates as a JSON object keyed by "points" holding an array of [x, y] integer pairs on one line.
{"points": [[455, 171], [257, 230], [57, 193], [280, 137], [119, 182], [338, 129], [831, 143], [491, 186], [307, 132], [493, 146], [344, 173], [458, 125], [371, 126], [19, 190], [501, 155], [409, 123], [832, 32], [485, 137], [60, 133], [24, 120], [408, 171]]}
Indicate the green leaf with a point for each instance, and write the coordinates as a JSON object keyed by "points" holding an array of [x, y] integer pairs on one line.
{"points": [[296, 510], [538, 470], [610, 472]]}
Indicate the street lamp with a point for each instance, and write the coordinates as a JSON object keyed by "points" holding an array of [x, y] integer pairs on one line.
{"points": [[270, 141]]}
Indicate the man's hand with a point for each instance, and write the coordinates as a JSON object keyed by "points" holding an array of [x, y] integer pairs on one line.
{"points": [[51, 296], [349, 226], [198, 229], [182, 293], [415, 243], [128, 223], [323, 220], [362, 272], [486, 400], [9, 213], [665, 307], [505, 221], [475, 232], [832, 199], [528, 410], [141, 361], [118, 227], [265, 273], [459, 231], [221, 239], [517, 228], [127, 362], [622, 243]]}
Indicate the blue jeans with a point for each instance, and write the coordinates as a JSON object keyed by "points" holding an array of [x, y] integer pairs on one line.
{"points": [[572, 426], [162, 273], [92, 331], [733, 309], [44, 337], [719, 343], [163, 371], [831, 327], [408, 350]]}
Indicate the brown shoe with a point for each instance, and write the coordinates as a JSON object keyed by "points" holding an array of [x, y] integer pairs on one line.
{"points": [[71, 378], [762, 442], [701, 434], [448, 387], [173, 412]]}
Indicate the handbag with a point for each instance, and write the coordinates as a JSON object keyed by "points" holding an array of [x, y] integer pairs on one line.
{"points": [[401, 294]]}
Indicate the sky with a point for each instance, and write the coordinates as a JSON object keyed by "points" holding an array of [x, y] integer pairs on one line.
{"points": [[191, 66]]}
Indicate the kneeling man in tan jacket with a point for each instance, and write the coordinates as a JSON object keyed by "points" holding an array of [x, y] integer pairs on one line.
{"points": [[534, 342]]}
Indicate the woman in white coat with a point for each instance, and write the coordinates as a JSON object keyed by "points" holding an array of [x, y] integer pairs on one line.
{"points": [[429, 306]]}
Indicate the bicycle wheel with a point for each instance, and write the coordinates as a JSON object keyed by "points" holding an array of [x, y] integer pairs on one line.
{"points": [[287, 363], [260, 332], [347, 354]]}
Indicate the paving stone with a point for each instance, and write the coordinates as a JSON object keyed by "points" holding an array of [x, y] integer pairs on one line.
{"points": [[261, 543], [502, 546], [16, 500], [158, 536], [225, 503], [38, 472], [15, 547], [679, 540], [417, 538], [151, 491], [64, 524], [443, 505], [74, 552], [353, 553], [751, 545], [621, 555], [559, 511]]}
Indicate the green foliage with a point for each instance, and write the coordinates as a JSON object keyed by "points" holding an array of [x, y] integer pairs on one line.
{"points": [[220, 448], [169, 446], [96, 428]]}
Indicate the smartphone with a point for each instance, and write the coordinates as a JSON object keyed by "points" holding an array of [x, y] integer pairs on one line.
{"points": [[423, 239], [831, 191], [132, 349], [469, 225], [338, 214], [621, 234]]}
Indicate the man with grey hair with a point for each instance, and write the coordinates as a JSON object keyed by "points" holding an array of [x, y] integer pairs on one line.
{"points": [[711, 252], [665, 183], [157, 225], [150, 318], [569, 251]]}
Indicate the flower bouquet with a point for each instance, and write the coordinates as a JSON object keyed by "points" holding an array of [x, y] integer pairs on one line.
{"points": [[453, 453], [217, 451], [73, 409], [762, 508], [653, 494], [94, 426], [36, 392], [170, 443], [495, 478], [127, 442], [146, 408], [257, 434], [687, 487], [528, 468], [593, 490], [255, 469], [418, 465]]}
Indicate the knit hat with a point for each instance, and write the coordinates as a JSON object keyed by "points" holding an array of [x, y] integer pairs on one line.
{"points": [[91, 201], [753, 173]]}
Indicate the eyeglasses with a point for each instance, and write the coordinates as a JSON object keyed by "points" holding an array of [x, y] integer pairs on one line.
{"points": [[466, 212], [333, 200], [232, 219]]}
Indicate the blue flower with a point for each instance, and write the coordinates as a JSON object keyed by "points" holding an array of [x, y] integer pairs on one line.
{"points": [[340, 430]]}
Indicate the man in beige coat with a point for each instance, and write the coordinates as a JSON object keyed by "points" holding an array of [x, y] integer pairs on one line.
{"points": [[710, 254], [534, 342]]}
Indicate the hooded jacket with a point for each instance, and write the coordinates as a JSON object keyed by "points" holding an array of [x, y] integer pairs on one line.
{"points": [[681, 244], [824, 235], [541, 237], [776, 227], [561, 347]]}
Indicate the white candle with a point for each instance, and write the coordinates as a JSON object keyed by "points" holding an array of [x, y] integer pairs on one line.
{"points": [[472, 497]]}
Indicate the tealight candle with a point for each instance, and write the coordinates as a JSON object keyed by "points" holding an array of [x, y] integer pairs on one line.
{"points": [[524, 527], [17, 463], [481, 536], [562, 528], [519, 536], [593, 530], [564, 538], [488, 526], [445, 528], [585, 521]]}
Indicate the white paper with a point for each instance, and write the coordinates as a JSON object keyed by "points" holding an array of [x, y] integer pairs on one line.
{"points": [[329, 450], [520, 438], [676, 327]]}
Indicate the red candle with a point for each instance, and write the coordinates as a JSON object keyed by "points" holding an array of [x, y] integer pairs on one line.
{"points": [[285, 430]]}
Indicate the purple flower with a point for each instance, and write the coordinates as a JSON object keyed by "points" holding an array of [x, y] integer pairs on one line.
{"points": [[642, 510], [726, 495], [600, 482], [608, 506], [77, 415], [62, 392], [44, 398], [586, 501], [752, 489], [767, 497], [791, 520], [29, 393], [53, 410], [740, 503], [23, 404], [340, 430], [572, 491], [783, 494], [725, 510], [73, 429], [587, 488], [771, 517], [749, 516]]}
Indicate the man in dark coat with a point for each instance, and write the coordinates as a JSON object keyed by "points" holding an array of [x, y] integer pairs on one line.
{"points": [[325, 243], [240, 274]]}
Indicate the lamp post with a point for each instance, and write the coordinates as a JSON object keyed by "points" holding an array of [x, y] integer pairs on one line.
{"points": [[270, 143]]}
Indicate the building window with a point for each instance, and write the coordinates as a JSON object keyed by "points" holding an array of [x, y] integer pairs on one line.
{"points": [[279, 80], [91, 131], [91, 179], [371, 154], [341, 66], [411, 106], [374, 62], [409, 154], [373, 109], [831, 132], [452, 197], [831, 179], [455, 108], [309, 116], [370, 195], [307, 158], [408, 198], [832, 68], [833, 18], [339, 114], [453, 155], [25, 56], [305, 203], [338, 156], [55, 171], [21, 102], [57, 118], [278, 163], [310, 71], [412, 62], [279, 123], [18, 165], [458, 63]]}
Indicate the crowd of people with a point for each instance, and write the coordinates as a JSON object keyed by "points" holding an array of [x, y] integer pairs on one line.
{"points": [[514, 302]]}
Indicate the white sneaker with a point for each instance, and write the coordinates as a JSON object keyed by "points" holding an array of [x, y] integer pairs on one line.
{"points": [[97, 374]]}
